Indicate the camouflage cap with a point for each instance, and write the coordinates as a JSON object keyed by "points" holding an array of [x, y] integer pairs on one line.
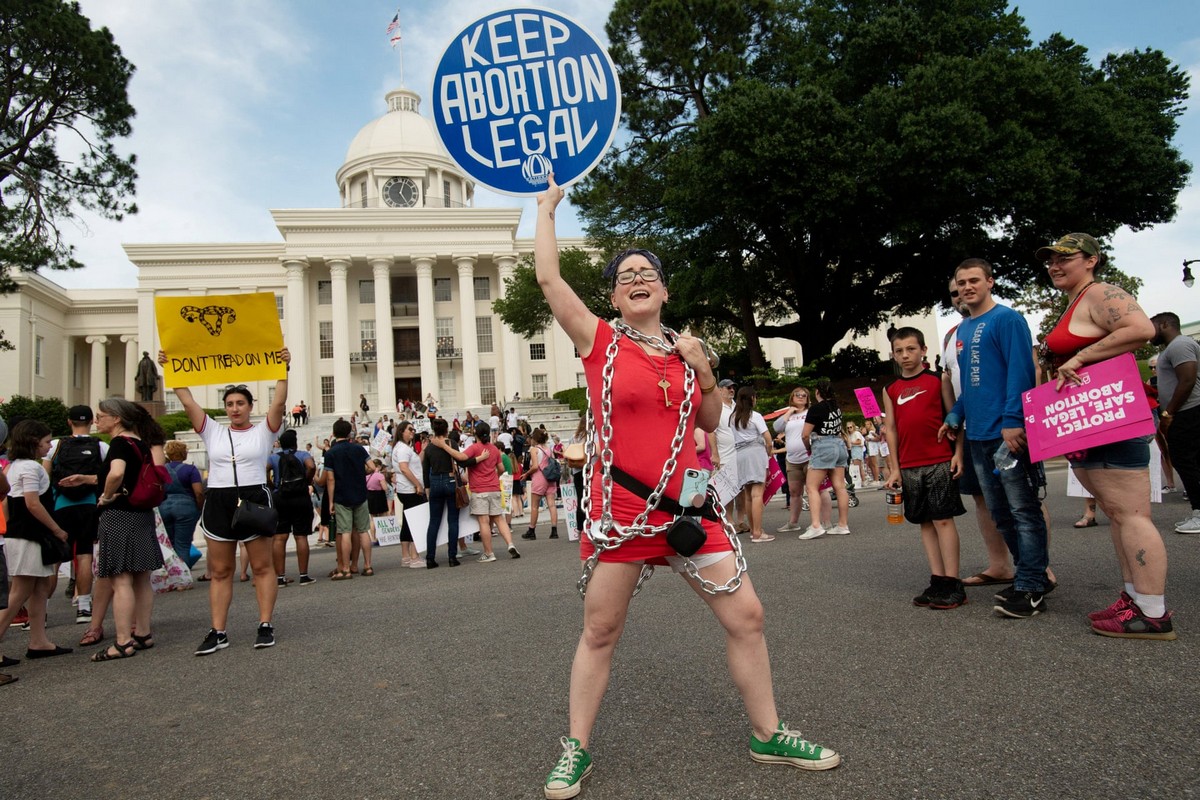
{"points": [[1071, 243]]}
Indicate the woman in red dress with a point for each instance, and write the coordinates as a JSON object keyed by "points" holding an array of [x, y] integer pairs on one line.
{"points": [[649, 388]]}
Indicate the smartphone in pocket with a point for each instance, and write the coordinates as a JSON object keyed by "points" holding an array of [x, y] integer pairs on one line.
{"points": [[694, 488]]}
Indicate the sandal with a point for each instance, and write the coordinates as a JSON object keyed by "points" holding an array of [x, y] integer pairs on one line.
{"points": [[340, 576], [126, 650], [92, 636], [983, 579], [368, 572], [5, 680], [1084, 522], [143, 642]]}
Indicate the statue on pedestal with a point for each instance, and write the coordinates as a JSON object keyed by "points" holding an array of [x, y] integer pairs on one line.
{"points": [[146, 380]]}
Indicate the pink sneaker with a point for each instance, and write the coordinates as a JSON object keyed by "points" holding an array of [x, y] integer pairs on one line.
{"points": [[1123, 602], [1131, 623]]}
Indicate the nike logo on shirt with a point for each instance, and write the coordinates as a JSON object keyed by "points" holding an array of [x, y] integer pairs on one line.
{"points": [[904, 400]]}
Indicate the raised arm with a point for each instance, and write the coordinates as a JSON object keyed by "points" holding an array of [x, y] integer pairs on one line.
{"points": [[568, 310], [279, 402], [195, 413]]}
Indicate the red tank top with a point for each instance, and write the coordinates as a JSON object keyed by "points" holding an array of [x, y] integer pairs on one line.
{"points": [[1060, 343]]}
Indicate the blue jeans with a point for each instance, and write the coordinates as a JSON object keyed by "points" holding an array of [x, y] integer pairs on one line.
{"points": [[179, 516], [441, 498], [1012, 498]]}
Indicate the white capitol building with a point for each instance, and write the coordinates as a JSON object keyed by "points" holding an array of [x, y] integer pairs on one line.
{"points": [[389, 295]]}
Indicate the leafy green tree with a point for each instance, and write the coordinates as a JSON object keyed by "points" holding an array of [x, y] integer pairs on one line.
{"points": [[63, 88], [524, 308], [49, 410], [809, 168]]}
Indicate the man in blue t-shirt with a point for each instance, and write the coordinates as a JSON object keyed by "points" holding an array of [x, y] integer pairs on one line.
{"points": [[995, 363]]}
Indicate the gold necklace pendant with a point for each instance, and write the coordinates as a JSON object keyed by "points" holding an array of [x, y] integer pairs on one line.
{"points": [[665, 384]]}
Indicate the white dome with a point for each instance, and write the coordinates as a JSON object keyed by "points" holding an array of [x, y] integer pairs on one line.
{"points": [[400, 132]]}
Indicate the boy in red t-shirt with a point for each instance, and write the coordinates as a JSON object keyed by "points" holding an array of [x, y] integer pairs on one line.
{"points": [[924, 466]]}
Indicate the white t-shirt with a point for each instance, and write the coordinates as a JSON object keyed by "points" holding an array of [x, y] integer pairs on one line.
{"points": [[755, 428], [253, 447], [494, 422], [793, 437], [26, 475], [725, 447], [505, 438], [512, 420], [404, 454]]}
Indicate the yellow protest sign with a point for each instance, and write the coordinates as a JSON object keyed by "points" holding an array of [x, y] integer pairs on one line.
{"points": [[219, 339]]}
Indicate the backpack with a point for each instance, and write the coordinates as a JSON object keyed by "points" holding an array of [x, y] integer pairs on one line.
{"points": [[551, 470], [292, 478], [76, 455], [151, 487]]}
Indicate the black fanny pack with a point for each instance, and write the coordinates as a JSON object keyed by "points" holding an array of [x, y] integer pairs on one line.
{"points": [[686, 535]]}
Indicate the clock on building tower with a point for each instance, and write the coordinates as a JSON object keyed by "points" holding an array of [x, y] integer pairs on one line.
{"points": [[400, 192]]}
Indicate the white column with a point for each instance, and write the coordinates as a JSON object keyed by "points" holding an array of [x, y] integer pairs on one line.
{"points": [[131, 362], [470, 342], [96, 390], [385, 362], [296, 334], [427, 325], [510, 344], [343, 400]]}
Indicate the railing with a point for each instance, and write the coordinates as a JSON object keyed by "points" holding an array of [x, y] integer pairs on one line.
{"points": [[404, 310], [406, 357], [365, 357], [449, 352]]}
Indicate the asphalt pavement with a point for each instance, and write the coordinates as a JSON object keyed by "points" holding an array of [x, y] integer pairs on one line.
{"points": [[452, 683]]}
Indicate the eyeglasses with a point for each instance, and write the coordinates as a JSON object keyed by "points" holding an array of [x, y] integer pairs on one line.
{"points": [[647, 276], [610, 271], [1058, 260]]}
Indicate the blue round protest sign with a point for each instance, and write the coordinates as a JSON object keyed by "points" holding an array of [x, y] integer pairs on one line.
{"points": [[522, 92]]}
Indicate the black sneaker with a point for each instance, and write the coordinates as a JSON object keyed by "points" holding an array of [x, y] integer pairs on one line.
{"points": [[529, 534], [923, 598], [213, 642], [282, 581], [70, 592], [82, 616], [1006, 594], [305, 580], [951, 594], [513, 552], [265, 637], [1022, 605], [554, 533]]}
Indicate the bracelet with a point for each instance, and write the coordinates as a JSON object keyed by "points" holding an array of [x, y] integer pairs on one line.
{"points": [[708, 390]]}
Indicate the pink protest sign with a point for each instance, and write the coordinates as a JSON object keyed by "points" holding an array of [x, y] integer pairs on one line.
{"points": [[775, 480], [868, 403], [1109, 406]]}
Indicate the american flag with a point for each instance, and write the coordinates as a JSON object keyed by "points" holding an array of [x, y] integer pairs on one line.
{"points": [[393, 30]]}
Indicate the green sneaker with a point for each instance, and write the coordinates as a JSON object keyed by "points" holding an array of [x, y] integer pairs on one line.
{"points": [[787, 747], [566, 779]]}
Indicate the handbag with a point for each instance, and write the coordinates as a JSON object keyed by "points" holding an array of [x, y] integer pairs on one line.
{"points": [[462, 496], [249, 517], [54, 550], [575, 455]]}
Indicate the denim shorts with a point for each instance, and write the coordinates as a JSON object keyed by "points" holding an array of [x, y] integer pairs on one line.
{"points": [[828, 452], [1131, 454]]}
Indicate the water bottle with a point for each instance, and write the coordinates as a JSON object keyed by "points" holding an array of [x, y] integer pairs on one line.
{"points": [[1004, 458], [895, 506]]}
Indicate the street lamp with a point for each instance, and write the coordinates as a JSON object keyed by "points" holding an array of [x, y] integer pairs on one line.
{"points": [[1188, 280]]}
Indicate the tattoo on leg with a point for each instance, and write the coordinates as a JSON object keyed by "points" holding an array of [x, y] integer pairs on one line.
{"points": [[1141, 557]]}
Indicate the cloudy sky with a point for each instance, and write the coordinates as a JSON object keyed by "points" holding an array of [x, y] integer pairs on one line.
{"points": [[245, 107]]}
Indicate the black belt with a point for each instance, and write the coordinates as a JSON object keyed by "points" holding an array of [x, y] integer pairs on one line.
{"points": [[633, 485]]}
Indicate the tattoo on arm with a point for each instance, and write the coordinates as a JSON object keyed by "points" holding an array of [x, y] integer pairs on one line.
{"points": [[551, 215], [1141, 557], [1114, 316]]}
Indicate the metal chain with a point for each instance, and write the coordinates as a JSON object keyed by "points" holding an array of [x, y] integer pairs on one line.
{"points": [[601, 534]]}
